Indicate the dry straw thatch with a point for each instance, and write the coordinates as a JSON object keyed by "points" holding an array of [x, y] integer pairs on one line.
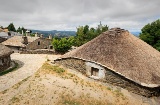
{"points": [[4, 51], [18, 41], [125, 54]]}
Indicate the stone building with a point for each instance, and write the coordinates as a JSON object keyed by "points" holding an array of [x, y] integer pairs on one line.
{"points": [[6, 35], [17, 43], [119, 58], [2, 39], [5, 60], [27, 33], [40, 43]]}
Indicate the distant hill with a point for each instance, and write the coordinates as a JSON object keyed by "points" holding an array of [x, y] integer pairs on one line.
{"points": [[55, 33], [66, 33], [136, 33]]}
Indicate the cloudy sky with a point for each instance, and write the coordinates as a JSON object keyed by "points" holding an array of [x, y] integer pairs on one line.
{"points": [[69, 14]]}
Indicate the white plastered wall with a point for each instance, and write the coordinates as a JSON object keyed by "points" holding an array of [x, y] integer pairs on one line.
{"points": [[101, 72]]}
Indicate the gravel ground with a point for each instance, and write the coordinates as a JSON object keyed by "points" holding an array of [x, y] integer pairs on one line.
{"points": [[29, 64]]}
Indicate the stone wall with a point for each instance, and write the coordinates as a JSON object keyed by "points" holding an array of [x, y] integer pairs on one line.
{"points": [[38, 51], [2, 39], [71, 63], [5, 62], [40, 43], [101, 70], [15, 49], [111, 77], [118, 80]]}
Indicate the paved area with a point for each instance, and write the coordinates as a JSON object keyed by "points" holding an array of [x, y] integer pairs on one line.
{"points": [[29, 64]]}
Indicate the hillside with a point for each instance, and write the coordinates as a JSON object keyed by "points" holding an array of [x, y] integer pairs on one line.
{"points": [[56, 33], [55, 85]]}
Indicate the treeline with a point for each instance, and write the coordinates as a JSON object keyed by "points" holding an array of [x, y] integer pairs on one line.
{"points": [[151, 34], [83, 35], [11, 27]]}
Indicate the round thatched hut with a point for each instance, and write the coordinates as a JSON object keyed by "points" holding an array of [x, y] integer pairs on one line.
{"points": [[5, 60], [118, 57]]}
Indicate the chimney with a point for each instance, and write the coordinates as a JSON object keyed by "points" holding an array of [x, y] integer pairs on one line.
{"points": [[36, 35], [41, 36], [27, 33], [22, 32], [50, 36], [25, 40]]}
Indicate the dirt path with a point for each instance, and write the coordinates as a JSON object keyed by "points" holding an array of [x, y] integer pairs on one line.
{"points": [[29, 64]]}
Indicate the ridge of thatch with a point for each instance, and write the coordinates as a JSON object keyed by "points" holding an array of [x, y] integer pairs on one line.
{"points": [[18, 41], [125, 54], [5, 50]]}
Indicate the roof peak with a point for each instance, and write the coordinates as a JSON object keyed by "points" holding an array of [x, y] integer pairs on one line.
{"points": [[116, 31]]}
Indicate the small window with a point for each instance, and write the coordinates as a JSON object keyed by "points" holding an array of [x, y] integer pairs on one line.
{"points": [[2, 61], [51, 47], [94, 71], [39, 43]]}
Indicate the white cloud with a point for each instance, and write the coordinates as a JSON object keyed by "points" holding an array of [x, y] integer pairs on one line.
{"points": [[69, 14]]}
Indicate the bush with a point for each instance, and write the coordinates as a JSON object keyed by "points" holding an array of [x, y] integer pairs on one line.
{"points": [[63, 45]]}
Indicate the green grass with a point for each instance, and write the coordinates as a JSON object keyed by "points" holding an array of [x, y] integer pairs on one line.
{"points": [[9, 70], [108, 88], [70, 102], [15, 99], [16, 86], [82, 99], [59, 70], [56, 69], [118, 93]]}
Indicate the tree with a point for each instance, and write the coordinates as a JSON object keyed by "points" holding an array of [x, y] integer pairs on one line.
{"points": [[80, 36], [85, 34], [11, 27], [62, 45], [105, 28], [151, 34], [20, 30]]}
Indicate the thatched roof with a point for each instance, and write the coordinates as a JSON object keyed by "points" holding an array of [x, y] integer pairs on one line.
{"points": [[18, 41], [5, 50], [1, 30], [122, 52]]}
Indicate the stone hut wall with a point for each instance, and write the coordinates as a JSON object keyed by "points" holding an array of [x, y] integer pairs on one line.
{"points": [[2, 39], [40, 43], [15, 49], [111, 77], [38, 51], [75, 64], [5, 62]]}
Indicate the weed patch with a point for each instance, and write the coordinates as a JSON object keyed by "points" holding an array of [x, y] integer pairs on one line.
{"points": [[15, 99], [50, 68], [81, 100]]}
